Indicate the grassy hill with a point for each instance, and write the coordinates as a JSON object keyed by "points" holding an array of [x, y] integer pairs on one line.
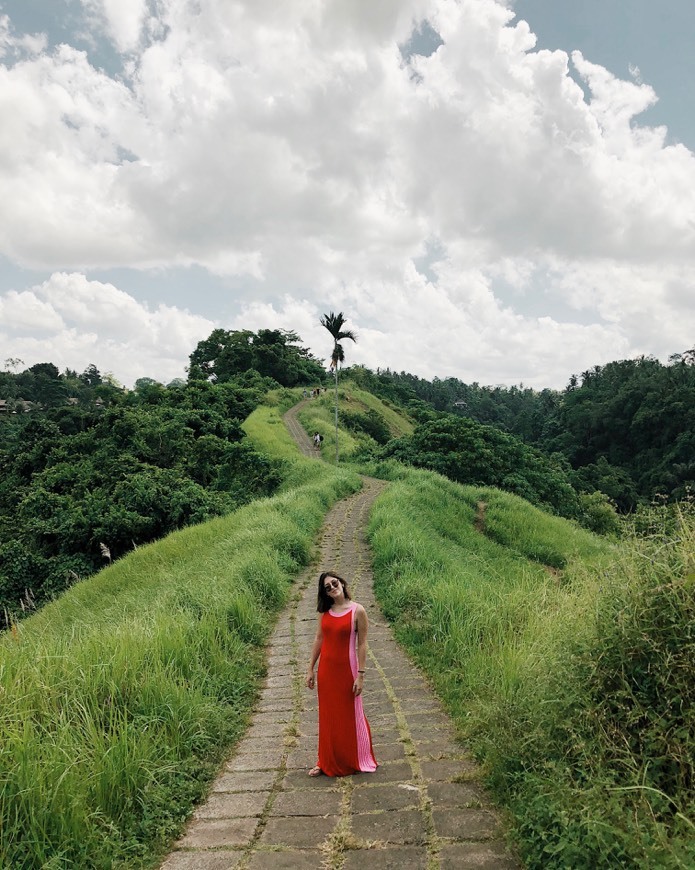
{"points": [[564, 659], [359, 411], [121, 698]]}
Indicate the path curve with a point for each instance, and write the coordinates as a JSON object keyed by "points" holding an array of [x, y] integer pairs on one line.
{"points": [[424, 807], [296, 430]]}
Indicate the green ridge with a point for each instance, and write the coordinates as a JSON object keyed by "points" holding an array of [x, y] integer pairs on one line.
{"points": [[120, 699]]}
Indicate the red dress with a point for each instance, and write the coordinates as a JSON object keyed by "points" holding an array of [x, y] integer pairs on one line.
{"points": [[345, 741]]}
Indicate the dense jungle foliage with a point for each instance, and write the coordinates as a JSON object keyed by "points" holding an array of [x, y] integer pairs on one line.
{"points": [[274, 353], [626, 429], [89, 471], [468, 452]]}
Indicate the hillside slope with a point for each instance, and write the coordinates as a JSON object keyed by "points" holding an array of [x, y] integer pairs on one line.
{"points": [[565, 659], [120, 698]]}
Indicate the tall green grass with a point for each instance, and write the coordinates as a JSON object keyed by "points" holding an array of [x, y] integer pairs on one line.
{"points": [[462, 602], [605, 775], [356, 399], [319, 416], [265, 428], [574, 686], [283, 398], [523, 528], [120, 699]]}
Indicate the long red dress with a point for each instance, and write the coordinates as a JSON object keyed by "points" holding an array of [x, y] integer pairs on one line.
{"points": [[345, 741]]}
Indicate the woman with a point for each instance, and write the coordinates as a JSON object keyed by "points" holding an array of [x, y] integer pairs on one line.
{"points": [[345, 741]]}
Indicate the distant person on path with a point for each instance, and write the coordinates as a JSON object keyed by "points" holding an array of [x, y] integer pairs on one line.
{"points": [[317, 440], [340, 646]]}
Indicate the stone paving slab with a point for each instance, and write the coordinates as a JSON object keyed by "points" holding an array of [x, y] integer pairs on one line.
{"points": [[209, 834], [422, 809], [488, 856], [269, 729], [428, 719], [203, 861], [385, 735], [437, 745], [264, 744], [384, 721], [298, 831], [274, 717], [284, 696], [399, 826], [465, 824], [445, 770], [406, 686], [302, 759], [422, 705], [228, 806], [393, 771], [278, 659], [384, 797], [391, 752], [390, 858], [281, 670], [379, 714], [240, 781], [304, 803], [455, 794], [279, 682], [287, 859], [298, 779], [255, 761]]}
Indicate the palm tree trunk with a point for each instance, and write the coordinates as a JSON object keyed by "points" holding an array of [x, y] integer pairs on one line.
{"points": [[336, 412]]}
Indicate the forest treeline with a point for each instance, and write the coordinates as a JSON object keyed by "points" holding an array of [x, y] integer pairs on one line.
{"points": [[89, 470], [626, 429]]}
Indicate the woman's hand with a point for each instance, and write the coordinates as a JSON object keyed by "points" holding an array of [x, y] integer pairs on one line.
{"points": [[357, 685], [309, 679]]}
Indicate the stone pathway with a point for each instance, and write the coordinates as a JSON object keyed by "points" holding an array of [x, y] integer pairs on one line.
{"points": [[296, 430], [423, 807]]}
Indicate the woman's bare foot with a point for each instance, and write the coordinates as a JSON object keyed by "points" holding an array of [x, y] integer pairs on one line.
{"points": [[315, 771]]}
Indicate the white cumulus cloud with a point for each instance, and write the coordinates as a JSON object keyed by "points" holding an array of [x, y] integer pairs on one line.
{"points": [[72, 321], [291, 152]]}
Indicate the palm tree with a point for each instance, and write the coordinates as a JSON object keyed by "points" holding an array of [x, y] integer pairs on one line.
{"points": [[334, 324]]}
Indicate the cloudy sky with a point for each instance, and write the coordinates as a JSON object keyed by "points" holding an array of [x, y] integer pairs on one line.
{"points": [[501, 192]]}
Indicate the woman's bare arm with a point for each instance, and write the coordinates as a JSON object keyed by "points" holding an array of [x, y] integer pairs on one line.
{"points": [[315, 653]]}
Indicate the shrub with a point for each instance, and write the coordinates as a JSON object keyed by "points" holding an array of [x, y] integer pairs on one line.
{"points": [[598, 514], [371, 424], [470, 453]]}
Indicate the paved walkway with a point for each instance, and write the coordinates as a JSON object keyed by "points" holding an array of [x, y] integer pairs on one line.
{"points": [[296, 430], [422, 808]]}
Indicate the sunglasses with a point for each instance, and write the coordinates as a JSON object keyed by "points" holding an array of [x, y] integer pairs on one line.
{"points": [[331, 584]]}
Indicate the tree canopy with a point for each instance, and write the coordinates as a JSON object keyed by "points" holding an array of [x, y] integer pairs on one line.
{"points": [[626, 429], [118, 472], [273, 353], [472, 453]]}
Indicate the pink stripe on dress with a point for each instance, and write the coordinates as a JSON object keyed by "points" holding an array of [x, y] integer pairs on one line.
{"points": [[365, 757]]}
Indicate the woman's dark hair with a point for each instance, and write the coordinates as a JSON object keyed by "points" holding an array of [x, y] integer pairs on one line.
{"points": [[324, 600]]}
